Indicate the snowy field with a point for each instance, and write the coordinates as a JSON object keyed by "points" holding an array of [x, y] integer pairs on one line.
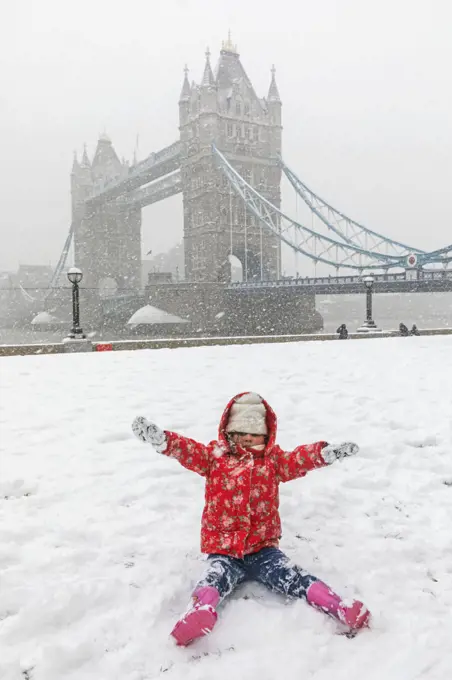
{"points": [[99, 535]]}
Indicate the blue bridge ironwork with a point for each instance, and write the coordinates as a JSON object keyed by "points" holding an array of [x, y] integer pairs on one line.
{"points": [[339, 243]]}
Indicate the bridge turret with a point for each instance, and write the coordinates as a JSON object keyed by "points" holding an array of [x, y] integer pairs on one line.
{"points": [[75, 166], [208, 90], [86, 180], [273, 93], [208, 81], [208, 105], [85, 164], [184, 99], [186, 89], [274, 111], [81, 183], [75, 184]]}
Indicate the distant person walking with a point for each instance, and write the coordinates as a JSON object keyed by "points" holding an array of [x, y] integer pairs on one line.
{"points": [[403, 330], [414, 330]]}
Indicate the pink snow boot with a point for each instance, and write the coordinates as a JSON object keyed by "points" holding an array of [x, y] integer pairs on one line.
{"points": [[200, 617], [354, 615]]}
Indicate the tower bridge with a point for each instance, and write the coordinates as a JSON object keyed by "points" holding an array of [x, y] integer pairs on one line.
{"points": [[227, 164]]}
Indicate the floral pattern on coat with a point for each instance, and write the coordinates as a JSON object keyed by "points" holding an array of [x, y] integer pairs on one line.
{"points": [[241, 512]]}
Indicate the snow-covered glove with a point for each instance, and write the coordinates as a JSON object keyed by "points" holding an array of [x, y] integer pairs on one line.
{"points": [[332, 452], [149, 433]]}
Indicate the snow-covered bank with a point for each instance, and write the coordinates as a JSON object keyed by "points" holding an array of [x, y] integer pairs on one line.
{"points": [[99, 535]]}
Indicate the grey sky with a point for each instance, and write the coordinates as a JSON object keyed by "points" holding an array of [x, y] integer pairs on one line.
{"points": [[366, 89]]}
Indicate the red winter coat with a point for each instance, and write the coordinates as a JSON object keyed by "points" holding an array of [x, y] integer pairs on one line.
{"points": [[242, 498]]}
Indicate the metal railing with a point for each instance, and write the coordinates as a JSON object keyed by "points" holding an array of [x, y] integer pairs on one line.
{"points": [[344, 280]]}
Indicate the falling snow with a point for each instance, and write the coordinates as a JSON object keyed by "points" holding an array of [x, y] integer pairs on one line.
{"points": [[99, 535]]}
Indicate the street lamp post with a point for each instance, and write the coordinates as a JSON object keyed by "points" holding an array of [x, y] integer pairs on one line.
{"points": [[75, 276], [369, 325]]}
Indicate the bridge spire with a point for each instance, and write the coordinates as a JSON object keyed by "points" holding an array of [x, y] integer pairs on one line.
{"points": [[228, 45], [208, 80], [85, 160], [273, 93], [186, 89], [75, 164]]}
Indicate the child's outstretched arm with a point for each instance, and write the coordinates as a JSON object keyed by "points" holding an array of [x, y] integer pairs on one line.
{"points": [[297, 463], [191, 454]]}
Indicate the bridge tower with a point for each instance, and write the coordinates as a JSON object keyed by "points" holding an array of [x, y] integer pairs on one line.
{"points": [[107, 237], [223, 109]]}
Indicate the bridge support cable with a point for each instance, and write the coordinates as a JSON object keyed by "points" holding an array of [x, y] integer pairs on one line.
{"points": [[246, 242], [25, 294], [308, 242], [63, 257], [347, 229], [442, 255]]}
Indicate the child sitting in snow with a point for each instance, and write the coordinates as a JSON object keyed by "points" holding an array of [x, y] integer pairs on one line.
{"points": [[241, 526]]}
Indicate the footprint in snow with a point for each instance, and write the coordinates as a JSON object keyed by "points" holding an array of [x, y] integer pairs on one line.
{"points": [[16, 488]]}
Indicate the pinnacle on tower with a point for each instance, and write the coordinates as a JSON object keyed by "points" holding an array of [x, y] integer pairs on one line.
{"points": [[273, 94], [85, 160], [75, 164], [186, 89], [228, 46], [208, 80]]}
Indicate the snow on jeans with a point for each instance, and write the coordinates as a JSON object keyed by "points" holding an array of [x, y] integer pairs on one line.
{"points": [[268, 566]]}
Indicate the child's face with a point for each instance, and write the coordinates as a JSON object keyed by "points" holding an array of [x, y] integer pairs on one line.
{"points": [[247, 439]]}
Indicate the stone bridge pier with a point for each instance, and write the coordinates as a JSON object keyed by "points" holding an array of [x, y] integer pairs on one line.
{"points": [[220, 310]]}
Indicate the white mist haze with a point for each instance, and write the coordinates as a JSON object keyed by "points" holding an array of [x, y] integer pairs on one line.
{"points": [[366, 90]]}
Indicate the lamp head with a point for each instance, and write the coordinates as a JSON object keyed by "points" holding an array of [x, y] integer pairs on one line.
{"points": [[75, 275], [369, 280]]}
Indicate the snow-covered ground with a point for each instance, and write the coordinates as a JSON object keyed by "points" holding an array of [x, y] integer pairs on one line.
{"points": [[99, 534]]}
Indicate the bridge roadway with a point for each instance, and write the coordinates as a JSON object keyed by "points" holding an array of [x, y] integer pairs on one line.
{"points": [[406, 282], [429, 282], [158, 190]]}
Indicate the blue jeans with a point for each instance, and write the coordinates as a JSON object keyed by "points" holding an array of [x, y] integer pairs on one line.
{"points": [[268, 566]]}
